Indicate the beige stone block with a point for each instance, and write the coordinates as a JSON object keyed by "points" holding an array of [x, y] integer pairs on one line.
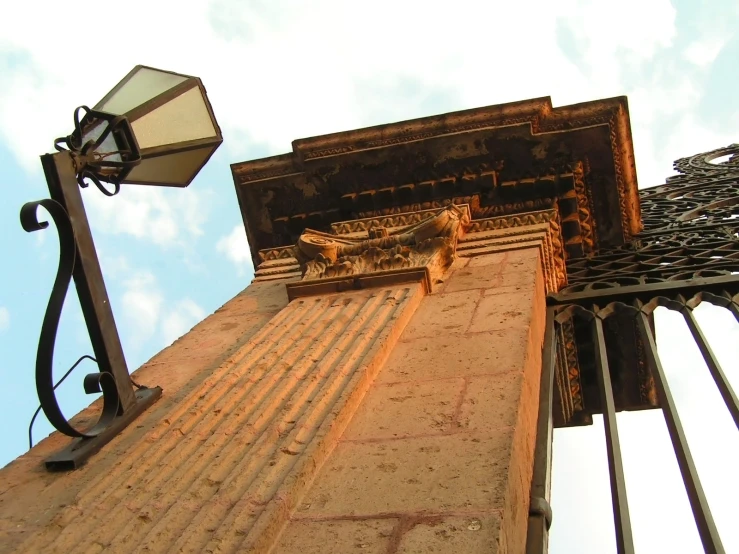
{"points": [[474, 534], [442, 314], [491, 402], [456, 355], [267, 296], [524, 278], [407, 409], [368, 536], [502, 311], [483, 277], [523, 290], [523, 258], [451, 472], [494, 259], [440, 283]]}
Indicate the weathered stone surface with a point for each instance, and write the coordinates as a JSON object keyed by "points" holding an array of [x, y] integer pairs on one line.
{"points": [[473, 533], [365, 536], [407, 409], [433, 474], [471, 277], [443, 314], [454, 355], [446, 434], [491, 402], [221, 462]]}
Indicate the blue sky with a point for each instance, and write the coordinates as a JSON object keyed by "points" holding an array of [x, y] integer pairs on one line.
{"points": [[276, 71]]}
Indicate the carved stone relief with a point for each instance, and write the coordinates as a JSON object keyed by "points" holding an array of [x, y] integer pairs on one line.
{"points": [[430, 243]]}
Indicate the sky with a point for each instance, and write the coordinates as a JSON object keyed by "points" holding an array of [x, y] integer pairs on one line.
{"points": [[280, 70]]}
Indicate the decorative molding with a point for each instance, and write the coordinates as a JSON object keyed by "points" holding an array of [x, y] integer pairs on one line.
{"points": [[512, 221], [625, 173], [473, 202], [495, 210], [391, 221], [584, 209], [332, 285], [537, 112], [477, 211], [282, 253], [569, 372], [517, 231]]}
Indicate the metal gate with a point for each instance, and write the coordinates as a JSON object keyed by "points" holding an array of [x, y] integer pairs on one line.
{"points": [[600, 354]]}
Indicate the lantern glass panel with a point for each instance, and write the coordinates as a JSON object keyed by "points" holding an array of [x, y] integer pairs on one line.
{"points": [[172, 169], [182, 119], [143, 85]]}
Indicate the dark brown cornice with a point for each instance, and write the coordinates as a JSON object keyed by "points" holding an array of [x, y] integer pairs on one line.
{"points": [[510, 158]]}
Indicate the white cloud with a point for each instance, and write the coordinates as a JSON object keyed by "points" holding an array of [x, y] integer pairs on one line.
{"points": [[142, 305], [181, 319], [306, 69], [703, 52], [166, 217], [4, 319], [147, 315], [690, 136], [236, 248]]}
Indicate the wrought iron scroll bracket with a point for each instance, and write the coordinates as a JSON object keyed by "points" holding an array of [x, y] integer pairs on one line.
{"points": [[120, 403], [94, 382]]}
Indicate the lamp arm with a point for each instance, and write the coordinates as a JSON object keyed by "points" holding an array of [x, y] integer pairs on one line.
{"points": [[78, 260], [94, 382]]}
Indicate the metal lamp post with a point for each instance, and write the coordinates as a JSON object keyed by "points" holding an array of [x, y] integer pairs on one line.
{"points": [[155, 128]]}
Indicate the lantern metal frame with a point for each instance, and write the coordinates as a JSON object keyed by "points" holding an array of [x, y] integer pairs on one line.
{"points": [[158, 101], [77, 162]]}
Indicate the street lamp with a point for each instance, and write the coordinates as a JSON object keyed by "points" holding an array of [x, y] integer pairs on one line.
{"points": [[154, 128]]}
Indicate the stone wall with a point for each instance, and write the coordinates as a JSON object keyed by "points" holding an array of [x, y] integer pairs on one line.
{"points": [[438, 458], [381, 420], [53, 512]]}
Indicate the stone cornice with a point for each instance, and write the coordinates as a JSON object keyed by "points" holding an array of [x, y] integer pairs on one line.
{"points": [[500, 160]]}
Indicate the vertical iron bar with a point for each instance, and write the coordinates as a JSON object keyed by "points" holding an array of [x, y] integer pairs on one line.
{"points": [[61, 179], [727, 392], [624, 536], [701, 512], [540, 513]]}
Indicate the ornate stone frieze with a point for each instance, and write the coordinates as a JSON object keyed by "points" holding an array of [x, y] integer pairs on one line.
{"points": [[384, 244], [512, 221], [584, 209], [282, 253], [568, 374], [391, 221]]}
